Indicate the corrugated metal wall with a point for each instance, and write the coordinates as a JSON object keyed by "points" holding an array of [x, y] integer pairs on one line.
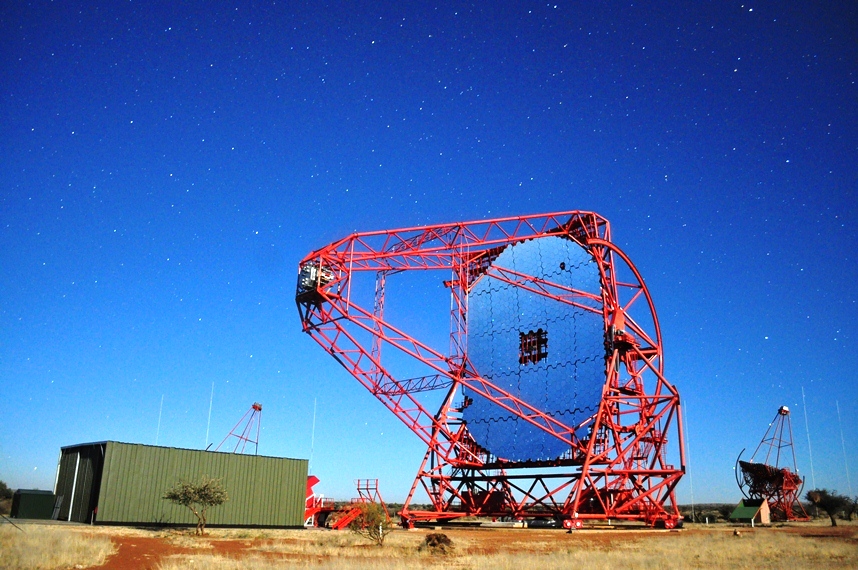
{"points": [[65, 481], [263, 491], [78, 481]]}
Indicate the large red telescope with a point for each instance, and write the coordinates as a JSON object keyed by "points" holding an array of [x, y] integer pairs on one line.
{"points": [[550, 399]]}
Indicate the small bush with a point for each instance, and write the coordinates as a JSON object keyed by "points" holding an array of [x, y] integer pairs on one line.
{"points": [[372, 523], [5, 498], [437, 543], [5, 491]]}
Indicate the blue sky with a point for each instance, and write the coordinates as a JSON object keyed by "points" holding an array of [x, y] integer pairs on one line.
{"points": [[165, 167]]}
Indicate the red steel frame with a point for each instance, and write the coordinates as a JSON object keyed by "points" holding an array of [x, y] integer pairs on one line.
{"points": [[368, 493], [316, 507], [619, 470], [771, 480], [252, 417]]}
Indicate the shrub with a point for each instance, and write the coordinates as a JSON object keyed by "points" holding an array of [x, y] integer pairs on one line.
{"points": [[725, 511], [5, 491], [198, 497], [437, 543], [828, 501], [5, 498], [372, 523], [851, 508]]}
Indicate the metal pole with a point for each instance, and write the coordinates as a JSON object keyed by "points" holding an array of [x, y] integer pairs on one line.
{"points": [[209, 424], [688, 460], [161, 409], [843, 444], [258, 427], [807, 430], [312, 437]]}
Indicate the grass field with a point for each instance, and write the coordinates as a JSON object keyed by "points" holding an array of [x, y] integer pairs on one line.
{"points": [[795, 546], [45, 547]]}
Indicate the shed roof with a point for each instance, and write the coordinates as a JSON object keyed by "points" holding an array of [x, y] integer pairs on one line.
{"points": [[90, 444], [747, 509]]}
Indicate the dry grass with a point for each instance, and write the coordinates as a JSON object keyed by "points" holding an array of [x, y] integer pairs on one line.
{"points": [[320, 549], [335, 544], [758, 549], [53, 546], [260, 563], [43, 547], [188, 540]]}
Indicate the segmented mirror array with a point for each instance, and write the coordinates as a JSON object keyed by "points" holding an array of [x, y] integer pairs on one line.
{"points": [[549, 353]]}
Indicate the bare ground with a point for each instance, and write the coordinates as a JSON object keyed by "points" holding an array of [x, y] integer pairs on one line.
{"points": [[140, 549]]}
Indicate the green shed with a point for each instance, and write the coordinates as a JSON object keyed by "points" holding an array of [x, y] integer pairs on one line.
{"points": [[122, 483], [33, 504], [752, 511]]}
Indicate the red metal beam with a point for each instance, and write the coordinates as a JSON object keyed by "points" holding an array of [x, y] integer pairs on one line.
{"points": [[619, 470]]}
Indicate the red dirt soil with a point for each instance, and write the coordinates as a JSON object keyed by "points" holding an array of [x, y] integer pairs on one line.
{"points": [[136, 552], [145, 553]]}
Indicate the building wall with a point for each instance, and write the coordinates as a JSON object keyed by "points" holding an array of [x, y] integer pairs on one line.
{"points": [[33, 504], [765, 514], [263, 491], [78, 481]]}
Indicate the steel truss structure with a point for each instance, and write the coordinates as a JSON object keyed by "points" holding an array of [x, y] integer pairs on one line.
{"points": [[317, 508], [251, 418], [618, 463], [368, 493], [770, 478]]}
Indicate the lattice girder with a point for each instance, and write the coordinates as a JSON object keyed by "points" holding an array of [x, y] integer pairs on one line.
{"points": [[615, 460], [773, 476]]}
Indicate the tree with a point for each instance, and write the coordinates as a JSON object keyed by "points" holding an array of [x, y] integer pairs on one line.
{"points": [[851, 508], [725, 511], [198, 497], [828, 501], [372, 523], [5, 498]]}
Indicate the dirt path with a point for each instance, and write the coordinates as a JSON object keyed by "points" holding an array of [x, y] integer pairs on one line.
{"points": [[146, 553], [140, 553]]}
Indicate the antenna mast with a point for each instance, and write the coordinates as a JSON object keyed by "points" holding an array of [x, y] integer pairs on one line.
{"points": [[252, 417]]}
